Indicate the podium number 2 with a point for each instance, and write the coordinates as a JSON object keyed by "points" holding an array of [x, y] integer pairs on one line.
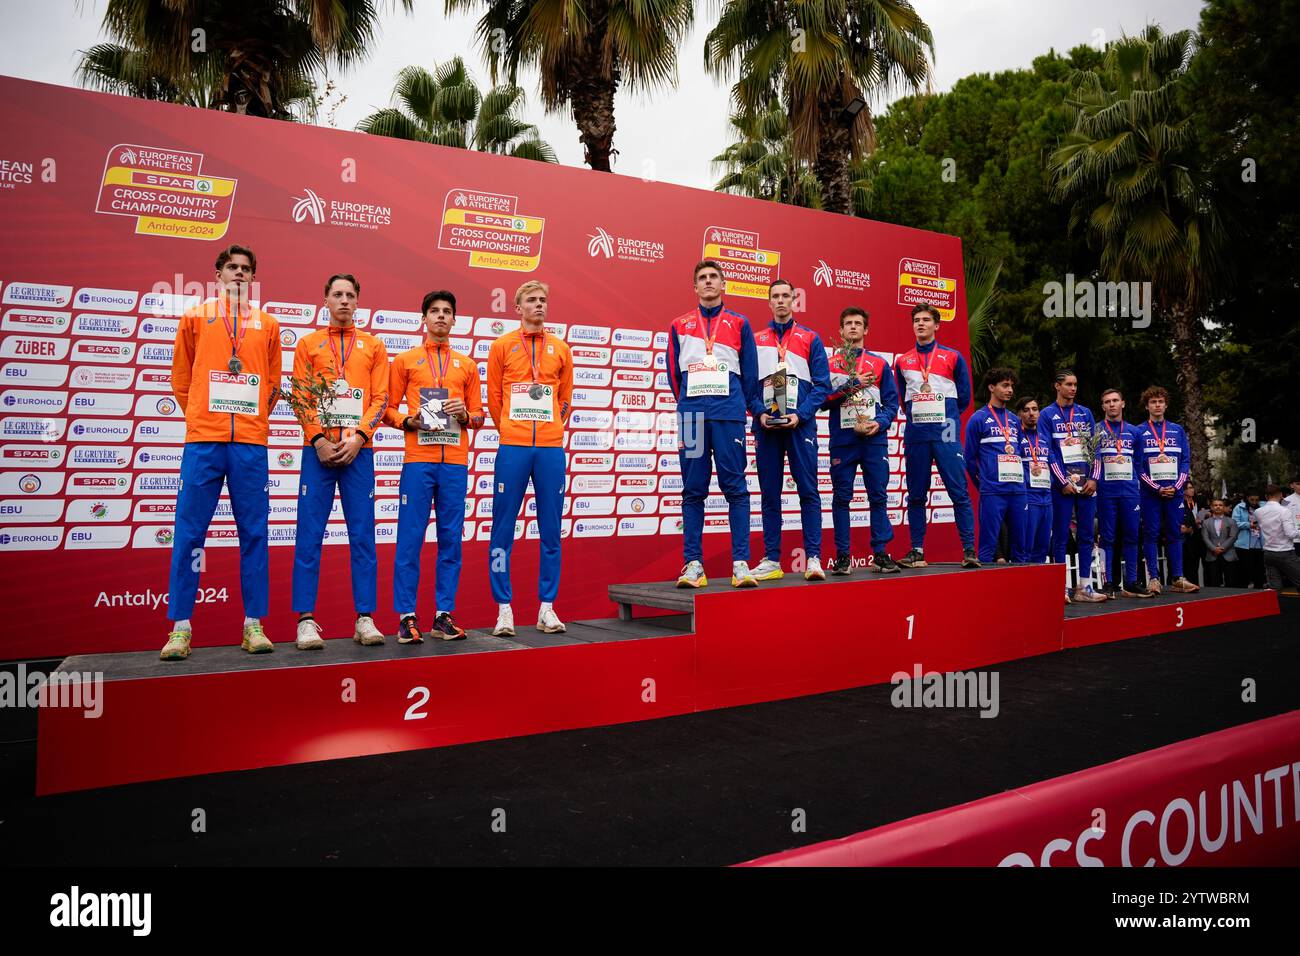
{"points": [[911, 621], [412, 712], [1179, 609]]}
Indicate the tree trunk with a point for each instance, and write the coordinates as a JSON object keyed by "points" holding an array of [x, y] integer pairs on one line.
{"points": [[591, 93], [1185, 326], [834, 143]]}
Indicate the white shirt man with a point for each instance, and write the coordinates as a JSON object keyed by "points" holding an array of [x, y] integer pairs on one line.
{"points": [[1277, 528]]}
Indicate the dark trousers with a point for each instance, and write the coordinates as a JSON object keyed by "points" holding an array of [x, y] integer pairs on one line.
{"points": [[1220, 573], [1251, 570], [1193, 555]]}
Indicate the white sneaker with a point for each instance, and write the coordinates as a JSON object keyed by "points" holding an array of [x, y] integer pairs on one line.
{"points": [[548, 623], [692, 576], [768, 570], [366, 633], [309, 635], [505, 623], [741, 576], [814, 570]]}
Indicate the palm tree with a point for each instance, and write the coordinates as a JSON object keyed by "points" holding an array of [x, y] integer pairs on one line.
{"points": [[113, 68], [823, 58], [1140, 192], [585, 51], [239, 55], [446, 107], [761, 163]]}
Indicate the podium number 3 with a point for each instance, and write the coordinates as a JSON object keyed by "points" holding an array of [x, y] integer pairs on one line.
{"points": [[911, 622], [413, 712], [1179, 609]]}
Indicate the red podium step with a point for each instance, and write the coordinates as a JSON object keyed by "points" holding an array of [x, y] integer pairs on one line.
{"points": [[225, 710]]}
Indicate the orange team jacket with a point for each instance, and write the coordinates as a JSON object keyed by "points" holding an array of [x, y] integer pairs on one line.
{"points": [[510, 362], [412, 371], [367, 369], [200, 360]]}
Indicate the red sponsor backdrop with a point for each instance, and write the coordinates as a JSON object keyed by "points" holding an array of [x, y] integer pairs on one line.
{"points": [[113, 211]]}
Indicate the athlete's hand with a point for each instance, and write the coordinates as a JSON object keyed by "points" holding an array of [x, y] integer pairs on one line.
{"points": [[1089, 488], [763, 420], [454, 407], [1167, 492], [325, 451], [871, 427], [347, 451], [794, 420], [1069, 488]]}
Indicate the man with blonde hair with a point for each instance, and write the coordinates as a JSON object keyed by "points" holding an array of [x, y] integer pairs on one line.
{"points": [[530, 393]]}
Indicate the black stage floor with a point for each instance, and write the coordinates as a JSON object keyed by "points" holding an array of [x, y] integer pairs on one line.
{"points": [[707, 789]]}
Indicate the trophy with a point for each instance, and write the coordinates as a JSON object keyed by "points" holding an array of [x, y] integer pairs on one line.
{"points": [[852, 385], [776, 395]]}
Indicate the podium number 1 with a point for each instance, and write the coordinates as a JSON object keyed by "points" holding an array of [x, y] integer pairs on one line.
{"points": [[911, 621]]}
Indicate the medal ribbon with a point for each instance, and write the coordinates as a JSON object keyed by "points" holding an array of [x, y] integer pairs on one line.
{"points": [[925, 368], [532, 364], [341, 370], [781, 347], [1119, 448], [1033, 449], [1161, 437], [440, 364], [1005, 426], [236, 335]]}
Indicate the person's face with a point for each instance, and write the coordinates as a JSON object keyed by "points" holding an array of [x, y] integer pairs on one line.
{"points": [[1003, 390], [924, 326], [709, 284], [236, 273], [1156, 407], [853, 330], [532, 307], [1295, 487], [781, 301], [342, 301], [439, 318], [1113, 406], [1029, 416], [1252, 500], [1065, 390], [1218, 508]]}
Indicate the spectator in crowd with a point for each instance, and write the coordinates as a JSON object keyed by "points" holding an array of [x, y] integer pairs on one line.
{"points": [[1250, 547], [1193, 547], [1219, 535], [1277, 530], [1292, 502]]}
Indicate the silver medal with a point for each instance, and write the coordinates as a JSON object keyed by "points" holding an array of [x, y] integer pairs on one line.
{"points": [[535, 391], [235, 365]]}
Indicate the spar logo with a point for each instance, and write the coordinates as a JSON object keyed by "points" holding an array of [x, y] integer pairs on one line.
{"points": [[310, 205], [831, 278]]}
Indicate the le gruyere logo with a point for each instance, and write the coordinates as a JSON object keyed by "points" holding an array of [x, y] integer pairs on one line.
{"points": [[491, 229], [166, 192]]}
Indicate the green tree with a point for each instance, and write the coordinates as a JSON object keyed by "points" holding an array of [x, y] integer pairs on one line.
{"points": [[244, 56], [761, 163], [585, 50], [1139, 191], [446, 107], [818, 57]]}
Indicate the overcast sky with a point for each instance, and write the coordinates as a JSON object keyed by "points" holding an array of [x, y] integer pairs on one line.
{"points": [[671, 137]]}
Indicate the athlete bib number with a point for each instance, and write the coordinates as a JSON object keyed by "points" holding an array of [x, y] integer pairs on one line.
{"points": [[347, 409], [864, 406], [1040, 480], [1162, 470], [1118, 468], [928, 408], [708, 379], [234, 394], [1011, 468], [1072, 451], [531, 403]]}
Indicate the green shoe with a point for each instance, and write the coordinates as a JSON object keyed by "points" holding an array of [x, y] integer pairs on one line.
{"points": [[255, 639], [177, 647]]}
